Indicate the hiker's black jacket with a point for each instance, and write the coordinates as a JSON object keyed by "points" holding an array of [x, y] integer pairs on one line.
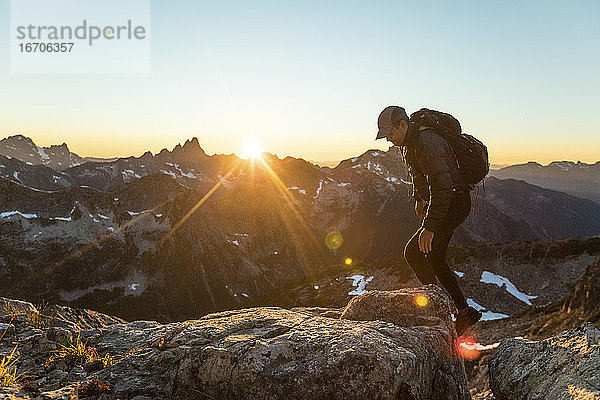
{"points": [[434, 171]]}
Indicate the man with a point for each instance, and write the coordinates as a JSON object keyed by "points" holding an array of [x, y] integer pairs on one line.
{"points": [[442, 199]]}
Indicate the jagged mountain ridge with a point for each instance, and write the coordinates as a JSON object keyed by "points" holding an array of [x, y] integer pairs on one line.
{"points": [[190, 166], [579, 179], [58, 157]]}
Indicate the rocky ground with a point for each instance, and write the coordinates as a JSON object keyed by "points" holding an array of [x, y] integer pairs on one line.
{"points": [[383, 345], [562, 367], [60, 352]]}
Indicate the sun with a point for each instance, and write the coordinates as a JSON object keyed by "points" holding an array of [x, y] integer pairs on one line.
{"points": [[252, 149]]}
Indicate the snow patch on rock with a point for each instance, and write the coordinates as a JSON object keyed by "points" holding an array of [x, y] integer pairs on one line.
{"points": [[360, 282]]}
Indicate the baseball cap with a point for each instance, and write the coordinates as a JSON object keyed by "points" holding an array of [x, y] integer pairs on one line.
{"points": [[388, 116]]}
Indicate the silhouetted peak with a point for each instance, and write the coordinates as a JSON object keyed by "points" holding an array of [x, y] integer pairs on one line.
{"points": [[533, 164], [19, 138], [192, 145], [269, 156], [193, 142], [163, 152], [62, 148]]}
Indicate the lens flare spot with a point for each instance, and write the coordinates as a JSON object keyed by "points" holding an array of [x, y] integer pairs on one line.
{"points": [[334, 240], [467, 347], [348, 261], [421, 300]]}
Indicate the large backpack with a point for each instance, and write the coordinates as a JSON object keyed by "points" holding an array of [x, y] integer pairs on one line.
{"points": [[470, 153]]}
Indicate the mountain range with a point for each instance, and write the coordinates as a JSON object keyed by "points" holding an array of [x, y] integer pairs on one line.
{"points": [[56, 157], [579, 179], [180, 233]]}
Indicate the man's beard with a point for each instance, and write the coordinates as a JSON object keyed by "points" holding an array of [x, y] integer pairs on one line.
{"points": [[395, 143]]}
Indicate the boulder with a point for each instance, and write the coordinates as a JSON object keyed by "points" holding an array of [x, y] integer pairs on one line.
{"points": [[426, 305], [561, 367], [274, 353]]}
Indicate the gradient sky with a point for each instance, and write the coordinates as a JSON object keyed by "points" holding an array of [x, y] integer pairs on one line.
{"points": [[309, 80]]}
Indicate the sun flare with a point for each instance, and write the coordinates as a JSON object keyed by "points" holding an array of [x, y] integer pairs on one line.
{"points": [[252, 149]]}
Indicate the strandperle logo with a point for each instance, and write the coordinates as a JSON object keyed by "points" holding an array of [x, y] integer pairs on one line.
{"points": [[80, 36], [90, 33]]}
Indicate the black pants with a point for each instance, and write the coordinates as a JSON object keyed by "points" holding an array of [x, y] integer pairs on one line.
{"points": [[433, 265]]}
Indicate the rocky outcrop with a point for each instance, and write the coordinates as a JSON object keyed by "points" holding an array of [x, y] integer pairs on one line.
{"points": [[561, 367], [258, 353], [426, 306], [585, 295], [421, 306]]}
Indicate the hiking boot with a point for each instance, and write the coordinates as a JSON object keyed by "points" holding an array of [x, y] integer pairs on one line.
{"points": [[465, 318]]}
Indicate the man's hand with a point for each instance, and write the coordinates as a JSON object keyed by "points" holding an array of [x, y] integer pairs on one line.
{"points": [[420, 207], [425, 239]]}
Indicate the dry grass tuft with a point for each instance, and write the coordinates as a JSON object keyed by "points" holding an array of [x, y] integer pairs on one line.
{"points": [[33, 318], [8, 370], [78, 352]]}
